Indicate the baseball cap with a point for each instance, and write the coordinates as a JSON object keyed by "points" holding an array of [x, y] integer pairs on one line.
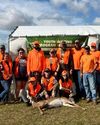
{"points": [[93, 44], [32, 79], [77, 41], [47, 70], [36, 43], [2, 46], [64, 72], [87, 48]]}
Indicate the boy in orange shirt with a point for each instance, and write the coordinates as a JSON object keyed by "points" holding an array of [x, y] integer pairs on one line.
{"points": [[50, 83], [88, 66]]}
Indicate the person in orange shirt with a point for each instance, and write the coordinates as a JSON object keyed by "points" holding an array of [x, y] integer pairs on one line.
{"points": [[50, 83], [4, 76], [77, 53], [96, 54], [2, 52], [66, 85], [20, 71], [64, 57], [35, 91], [36, 59], [52, 62], [88, 66], [8, 66]]}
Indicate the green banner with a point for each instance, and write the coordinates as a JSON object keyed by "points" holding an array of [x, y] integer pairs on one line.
{"points": [[48, 42]]}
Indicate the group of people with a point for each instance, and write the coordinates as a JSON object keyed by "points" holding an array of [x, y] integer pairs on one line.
{"points": [[70, 72]]}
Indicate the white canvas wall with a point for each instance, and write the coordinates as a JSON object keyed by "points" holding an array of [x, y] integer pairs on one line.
{"points": [[14, 44]]}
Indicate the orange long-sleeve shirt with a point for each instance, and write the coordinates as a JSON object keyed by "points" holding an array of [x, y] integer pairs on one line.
{"points": [[35, 61]]}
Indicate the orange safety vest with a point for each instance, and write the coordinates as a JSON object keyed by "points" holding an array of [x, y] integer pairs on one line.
{"points": [[66, 85], [63, 55], [48, 83], [16, 66], [7, 69], [34, 91], [1, 56], [52, 63]]}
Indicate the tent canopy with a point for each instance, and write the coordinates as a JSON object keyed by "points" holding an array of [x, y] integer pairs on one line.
{"points": [[22, 31]]}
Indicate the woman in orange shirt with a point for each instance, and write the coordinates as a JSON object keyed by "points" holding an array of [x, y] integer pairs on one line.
{"points": [[20, 70], [52, 62], [65, 85]]}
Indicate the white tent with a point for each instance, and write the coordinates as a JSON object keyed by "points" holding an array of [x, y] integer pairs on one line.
{"points": [[22, 31], [18, 37]]}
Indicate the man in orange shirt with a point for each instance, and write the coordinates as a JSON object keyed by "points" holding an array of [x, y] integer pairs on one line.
{"points": [[50, 83], [88, 66], [77, 53], [36, 59], [34, 92], [96, 54]]}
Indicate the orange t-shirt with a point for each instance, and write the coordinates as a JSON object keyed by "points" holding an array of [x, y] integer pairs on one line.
{"points": [[88, 62], [48, 83], [52, 63], [35, 61], [64, 56], [34, 91], [77, 54], [96, 54]]}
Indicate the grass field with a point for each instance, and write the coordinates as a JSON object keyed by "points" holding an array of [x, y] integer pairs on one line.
{"points": [[20, 114]]}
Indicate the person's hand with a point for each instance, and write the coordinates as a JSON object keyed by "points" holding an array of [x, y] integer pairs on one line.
{"points": [[53, 94], [81, 75], [55, 73], [46, 96], [71, 71]]}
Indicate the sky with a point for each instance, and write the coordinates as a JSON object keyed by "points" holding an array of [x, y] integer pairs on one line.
{"points": [[46, 12]]}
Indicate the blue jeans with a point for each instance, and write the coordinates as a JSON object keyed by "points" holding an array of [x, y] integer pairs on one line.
{"points": [[89, 85], [79, 83], [3, 94], [98, 78]]}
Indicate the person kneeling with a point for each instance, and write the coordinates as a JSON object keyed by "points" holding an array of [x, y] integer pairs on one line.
{"points": [[65, 86], [34, 92], [50, 83]]}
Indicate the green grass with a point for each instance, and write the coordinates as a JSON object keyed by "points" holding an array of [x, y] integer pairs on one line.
{"points": [[20, 114]]}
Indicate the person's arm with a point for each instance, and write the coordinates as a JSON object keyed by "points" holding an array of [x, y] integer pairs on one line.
{"points": [[28, 64], [44, 89], [81, 67]]}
